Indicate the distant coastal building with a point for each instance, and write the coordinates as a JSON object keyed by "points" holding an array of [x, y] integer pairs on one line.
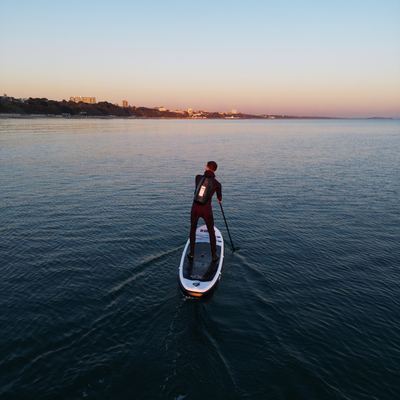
{"points": [[89, 100], [189, 111], [125, 103], [233, 112], [12, 99], [162, 108], [115, 104]]}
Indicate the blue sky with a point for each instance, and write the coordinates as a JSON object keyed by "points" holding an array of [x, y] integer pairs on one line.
{"points": [[297, 58]]}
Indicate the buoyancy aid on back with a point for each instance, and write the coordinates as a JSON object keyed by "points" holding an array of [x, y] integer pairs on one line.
{"points": [[203, 190]]}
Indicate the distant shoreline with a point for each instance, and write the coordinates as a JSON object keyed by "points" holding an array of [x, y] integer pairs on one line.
{"points": [[44, 108], [113, 117]]}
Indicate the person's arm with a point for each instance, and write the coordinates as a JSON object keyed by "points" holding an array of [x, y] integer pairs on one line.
{"points": [[196, 182], [219, 192]]}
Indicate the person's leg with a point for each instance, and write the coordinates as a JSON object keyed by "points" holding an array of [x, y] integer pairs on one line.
{"points": [[209, 220], [194, 217]]}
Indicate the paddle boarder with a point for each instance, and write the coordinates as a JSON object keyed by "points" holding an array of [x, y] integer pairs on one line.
{"points": [[206, 186]]}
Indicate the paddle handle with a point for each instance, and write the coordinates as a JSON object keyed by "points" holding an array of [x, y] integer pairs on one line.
{"points": [[223, 214]]}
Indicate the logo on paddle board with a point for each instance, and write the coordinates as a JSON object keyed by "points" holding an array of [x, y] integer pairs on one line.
{"points": [[196, 284]]}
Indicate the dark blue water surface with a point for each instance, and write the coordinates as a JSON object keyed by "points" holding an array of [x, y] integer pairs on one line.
{"points": [[94, 215]]}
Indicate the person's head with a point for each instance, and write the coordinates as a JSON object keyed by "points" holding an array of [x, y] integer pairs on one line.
{"points": [[212, 166]]}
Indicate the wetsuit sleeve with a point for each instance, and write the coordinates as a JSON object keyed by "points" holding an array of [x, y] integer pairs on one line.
{"points": [[196, 182], [219, 192]]}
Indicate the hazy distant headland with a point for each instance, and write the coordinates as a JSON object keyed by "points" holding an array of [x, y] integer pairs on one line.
{"points": [[35, 107]]}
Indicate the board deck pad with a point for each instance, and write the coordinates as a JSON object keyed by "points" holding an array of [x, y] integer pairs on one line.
{"points": [[201, 263]]}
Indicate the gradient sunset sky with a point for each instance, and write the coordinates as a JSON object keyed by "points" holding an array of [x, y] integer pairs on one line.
{"points": [[336, 58]]}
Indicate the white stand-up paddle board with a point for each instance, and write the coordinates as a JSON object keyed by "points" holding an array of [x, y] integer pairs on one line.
{"points": [[200, 276]]}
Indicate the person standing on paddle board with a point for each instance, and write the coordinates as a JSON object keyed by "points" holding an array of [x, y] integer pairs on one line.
{"points": [[206, 186]]}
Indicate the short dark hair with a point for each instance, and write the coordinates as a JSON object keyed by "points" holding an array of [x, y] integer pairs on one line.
{"points": [[212, 165]]}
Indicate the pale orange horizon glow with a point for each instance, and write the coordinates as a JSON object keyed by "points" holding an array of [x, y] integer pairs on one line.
{"points": [[336, 59]]}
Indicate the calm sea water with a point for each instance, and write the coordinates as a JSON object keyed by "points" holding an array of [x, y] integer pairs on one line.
{"points": [[94, 215]]}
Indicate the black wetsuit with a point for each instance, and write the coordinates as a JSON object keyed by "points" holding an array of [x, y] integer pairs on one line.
{"points": [[205, 211]]}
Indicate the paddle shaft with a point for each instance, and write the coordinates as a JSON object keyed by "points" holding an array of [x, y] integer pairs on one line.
{"points": [[233, 249]]}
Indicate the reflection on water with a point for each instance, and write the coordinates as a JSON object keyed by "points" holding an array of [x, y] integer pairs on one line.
{"points": [[93, 219]]}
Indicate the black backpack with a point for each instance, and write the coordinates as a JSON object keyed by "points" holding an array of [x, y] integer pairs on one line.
{"points": [[203, 190]]}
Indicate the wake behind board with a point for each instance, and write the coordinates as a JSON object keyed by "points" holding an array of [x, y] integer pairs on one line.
{"points": [[200, 276]]}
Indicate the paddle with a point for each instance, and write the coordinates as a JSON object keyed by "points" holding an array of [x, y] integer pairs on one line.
{"points": [[233, 249]]}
